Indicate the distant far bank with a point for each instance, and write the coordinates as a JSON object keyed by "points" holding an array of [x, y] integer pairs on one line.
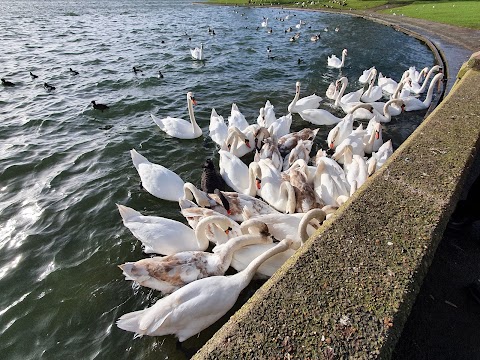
{"points": [[458, 13]]}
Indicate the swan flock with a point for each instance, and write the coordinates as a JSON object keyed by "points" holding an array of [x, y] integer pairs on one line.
{"points": [[274, 191]]}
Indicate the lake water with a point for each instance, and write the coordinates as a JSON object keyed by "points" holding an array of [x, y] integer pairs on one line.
{"points": [[66, 165]]}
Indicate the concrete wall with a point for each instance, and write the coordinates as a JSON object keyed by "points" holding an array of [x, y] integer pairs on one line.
{"points": [[348, 292]]}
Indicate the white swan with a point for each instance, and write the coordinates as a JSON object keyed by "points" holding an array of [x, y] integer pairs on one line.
{"points": [[413, 103], [197, 53], [236, 118], [240, 142], [389, 85], [378, 158], [157, 179], [236, 174], [197, 305], [169, 273], [354, 139], [295, 229], [386, 116], [330, 182], [355, 168], [218, 128], [373, 139], [324, 117], [180, 128], [373, 92], [415, 86], [309, 102], [273, 189], [335, 62], [161, 235], [281, 126], [366, 75]]}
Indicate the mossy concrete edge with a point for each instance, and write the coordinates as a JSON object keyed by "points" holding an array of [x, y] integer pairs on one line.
{"points": [[348, 292]]}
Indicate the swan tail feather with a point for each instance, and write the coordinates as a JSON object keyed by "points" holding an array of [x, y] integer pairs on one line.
{"points": [[127, 213], [131, 322], [138, 159]]}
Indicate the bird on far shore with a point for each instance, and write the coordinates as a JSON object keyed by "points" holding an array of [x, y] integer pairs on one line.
{"points": [[73, 72], [33, 75], [101, 107], [7, 83]]}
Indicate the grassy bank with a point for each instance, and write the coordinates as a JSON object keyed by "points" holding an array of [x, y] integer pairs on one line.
{"points": [[459, 13]]}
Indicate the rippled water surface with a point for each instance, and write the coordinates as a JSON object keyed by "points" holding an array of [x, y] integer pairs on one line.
{"points": [[66, 165]]}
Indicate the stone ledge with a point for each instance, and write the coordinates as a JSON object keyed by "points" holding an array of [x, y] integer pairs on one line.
{"points": [[349, 290]]}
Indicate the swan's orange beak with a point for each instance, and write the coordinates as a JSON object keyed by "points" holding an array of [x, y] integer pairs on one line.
{"points": [[259, 183], [228, 230], [194, 101], [247, 142], [377, 135], [330, 145], [403, 107]]}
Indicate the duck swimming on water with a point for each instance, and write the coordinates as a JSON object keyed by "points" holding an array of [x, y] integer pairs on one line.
{"points": [[48, 87], [7, 83], [101, 107], [33, 75], [73, 72]]}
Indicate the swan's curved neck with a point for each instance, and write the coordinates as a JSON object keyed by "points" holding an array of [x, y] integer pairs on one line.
{"points": [[254, 173], [287, 193], [295, 99], [343, 59], [429, 96], [191, 113], [425, 82], [244, 277], [340, 93], [318, 214], [215, 220]]}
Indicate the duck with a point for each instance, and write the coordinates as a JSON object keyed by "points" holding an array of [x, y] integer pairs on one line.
{"points": [[335, 62], [73, 72], [169, 273], [315, 37], [33, 76], [271, 188], [48, 87], [413, 104], [197, 305], [160, 75], [217, 128], [197, 53], [324, 117], [165, 236], [236, 174], [157, 179], [101, 107], [309, 102], [137, 70], [7, 83], [179, 128]]}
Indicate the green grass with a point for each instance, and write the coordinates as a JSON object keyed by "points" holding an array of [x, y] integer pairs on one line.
{"points": [[459, 13], [464, 13]]}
